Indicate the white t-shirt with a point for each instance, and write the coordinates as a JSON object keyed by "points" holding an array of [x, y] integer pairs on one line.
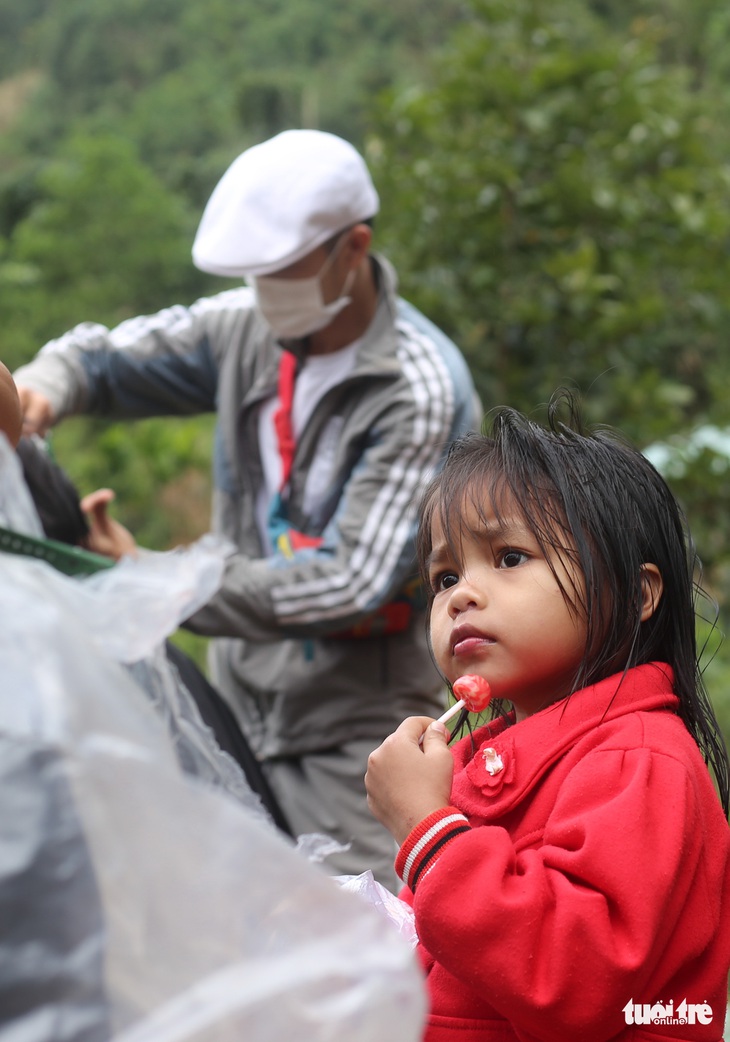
{"points": [[316, 376]]}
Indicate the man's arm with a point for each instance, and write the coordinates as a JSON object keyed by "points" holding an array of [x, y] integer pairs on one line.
{"points": [[162, 364]]}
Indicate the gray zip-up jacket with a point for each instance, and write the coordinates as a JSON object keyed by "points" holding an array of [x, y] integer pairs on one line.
{"points": [[282, 656]]}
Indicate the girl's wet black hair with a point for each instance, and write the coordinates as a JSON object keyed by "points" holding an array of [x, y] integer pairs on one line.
{"points": [[599, 504]]}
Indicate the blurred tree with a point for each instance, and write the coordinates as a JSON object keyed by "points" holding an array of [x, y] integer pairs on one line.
{"points": [[159, 469], [18, 22], [104, 240], [557, 204], [695, 35], [91, 48], [193, 84]]}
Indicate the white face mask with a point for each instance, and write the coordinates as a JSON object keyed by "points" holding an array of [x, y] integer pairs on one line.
{"points": [[294, 308]]}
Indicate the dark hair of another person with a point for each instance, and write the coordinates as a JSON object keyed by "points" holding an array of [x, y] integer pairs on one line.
{"points": [[54, 495], [599, 506]]}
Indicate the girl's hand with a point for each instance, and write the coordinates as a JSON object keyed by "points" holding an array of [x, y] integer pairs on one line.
{"points": [[406, 781]]}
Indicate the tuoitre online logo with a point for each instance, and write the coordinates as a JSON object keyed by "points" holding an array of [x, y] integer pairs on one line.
{"points": [[665, 1013]]}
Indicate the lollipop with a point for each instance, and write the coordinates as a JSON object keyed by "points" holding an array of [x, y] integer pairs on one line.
{"points": [[473, 693]]}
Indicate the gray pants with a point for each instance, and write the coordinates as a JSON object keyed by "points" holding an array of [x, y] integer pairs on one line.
{"points": [[325, 792]]}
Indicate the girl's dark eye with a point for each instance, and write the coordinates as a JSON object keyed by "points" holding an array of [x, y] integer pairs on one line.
{"points": [[512, 558], [444, 581]]}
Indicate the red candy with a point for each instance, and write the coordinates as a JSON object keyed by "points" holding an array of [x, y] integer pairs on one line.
{"points": [[473, 691]]}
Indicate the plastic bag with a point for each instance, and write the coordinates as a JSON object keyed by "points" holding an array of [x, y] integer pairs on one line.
{"points": [[395, 911], [141, 903], [17, 510]]}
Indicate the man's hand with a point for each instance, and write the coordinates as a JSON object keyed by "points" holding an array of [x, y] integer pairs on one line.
{"points": [[106, 536], [38, 414], [406, 781]]}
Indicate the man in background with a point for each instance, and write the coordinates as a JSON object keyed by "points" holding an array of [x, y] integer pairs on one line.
{"points": [[336, 401]]}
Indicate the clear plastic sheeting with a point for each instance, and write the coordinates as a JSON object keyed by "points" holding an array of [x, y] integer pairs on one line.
{"points": [[143, 900], [131, 608], [197, 750], [17, 510], [125, 613], [397, 912]]}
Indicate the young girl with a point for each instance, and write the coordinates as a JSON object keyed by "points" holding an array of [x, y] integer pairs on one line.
{"points": [[569, 863]]}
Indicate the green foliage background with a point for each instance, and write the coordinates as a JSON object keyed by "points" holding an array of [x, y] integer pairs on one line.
{"points": [[554, 180]]}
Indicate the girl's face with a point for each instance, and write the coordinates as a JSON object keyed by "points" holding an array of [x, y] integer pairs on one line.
{"points": [[499, 611]]}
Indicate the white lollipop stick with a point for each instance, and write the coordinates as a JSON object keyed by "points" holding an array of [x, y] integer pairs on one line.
{"points": [[451, 711], [475, 695]]}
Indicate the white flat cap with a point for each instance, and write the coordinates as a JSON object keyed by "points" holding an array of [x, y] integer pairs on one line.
{"points": [[280, 200]]}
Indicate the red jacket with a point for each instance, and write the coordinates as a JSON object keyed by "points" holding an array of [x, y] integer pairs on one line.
{"points": [[591, 872]]}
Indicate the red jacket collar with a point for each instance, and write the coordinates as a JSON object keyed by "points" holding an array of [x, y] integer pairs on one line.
{"points": [[529, 748]]}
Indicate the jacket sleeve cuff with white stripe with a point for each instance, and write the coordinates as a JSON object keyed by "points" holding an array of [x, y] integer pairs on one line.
{"points": [[425, 843]]}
